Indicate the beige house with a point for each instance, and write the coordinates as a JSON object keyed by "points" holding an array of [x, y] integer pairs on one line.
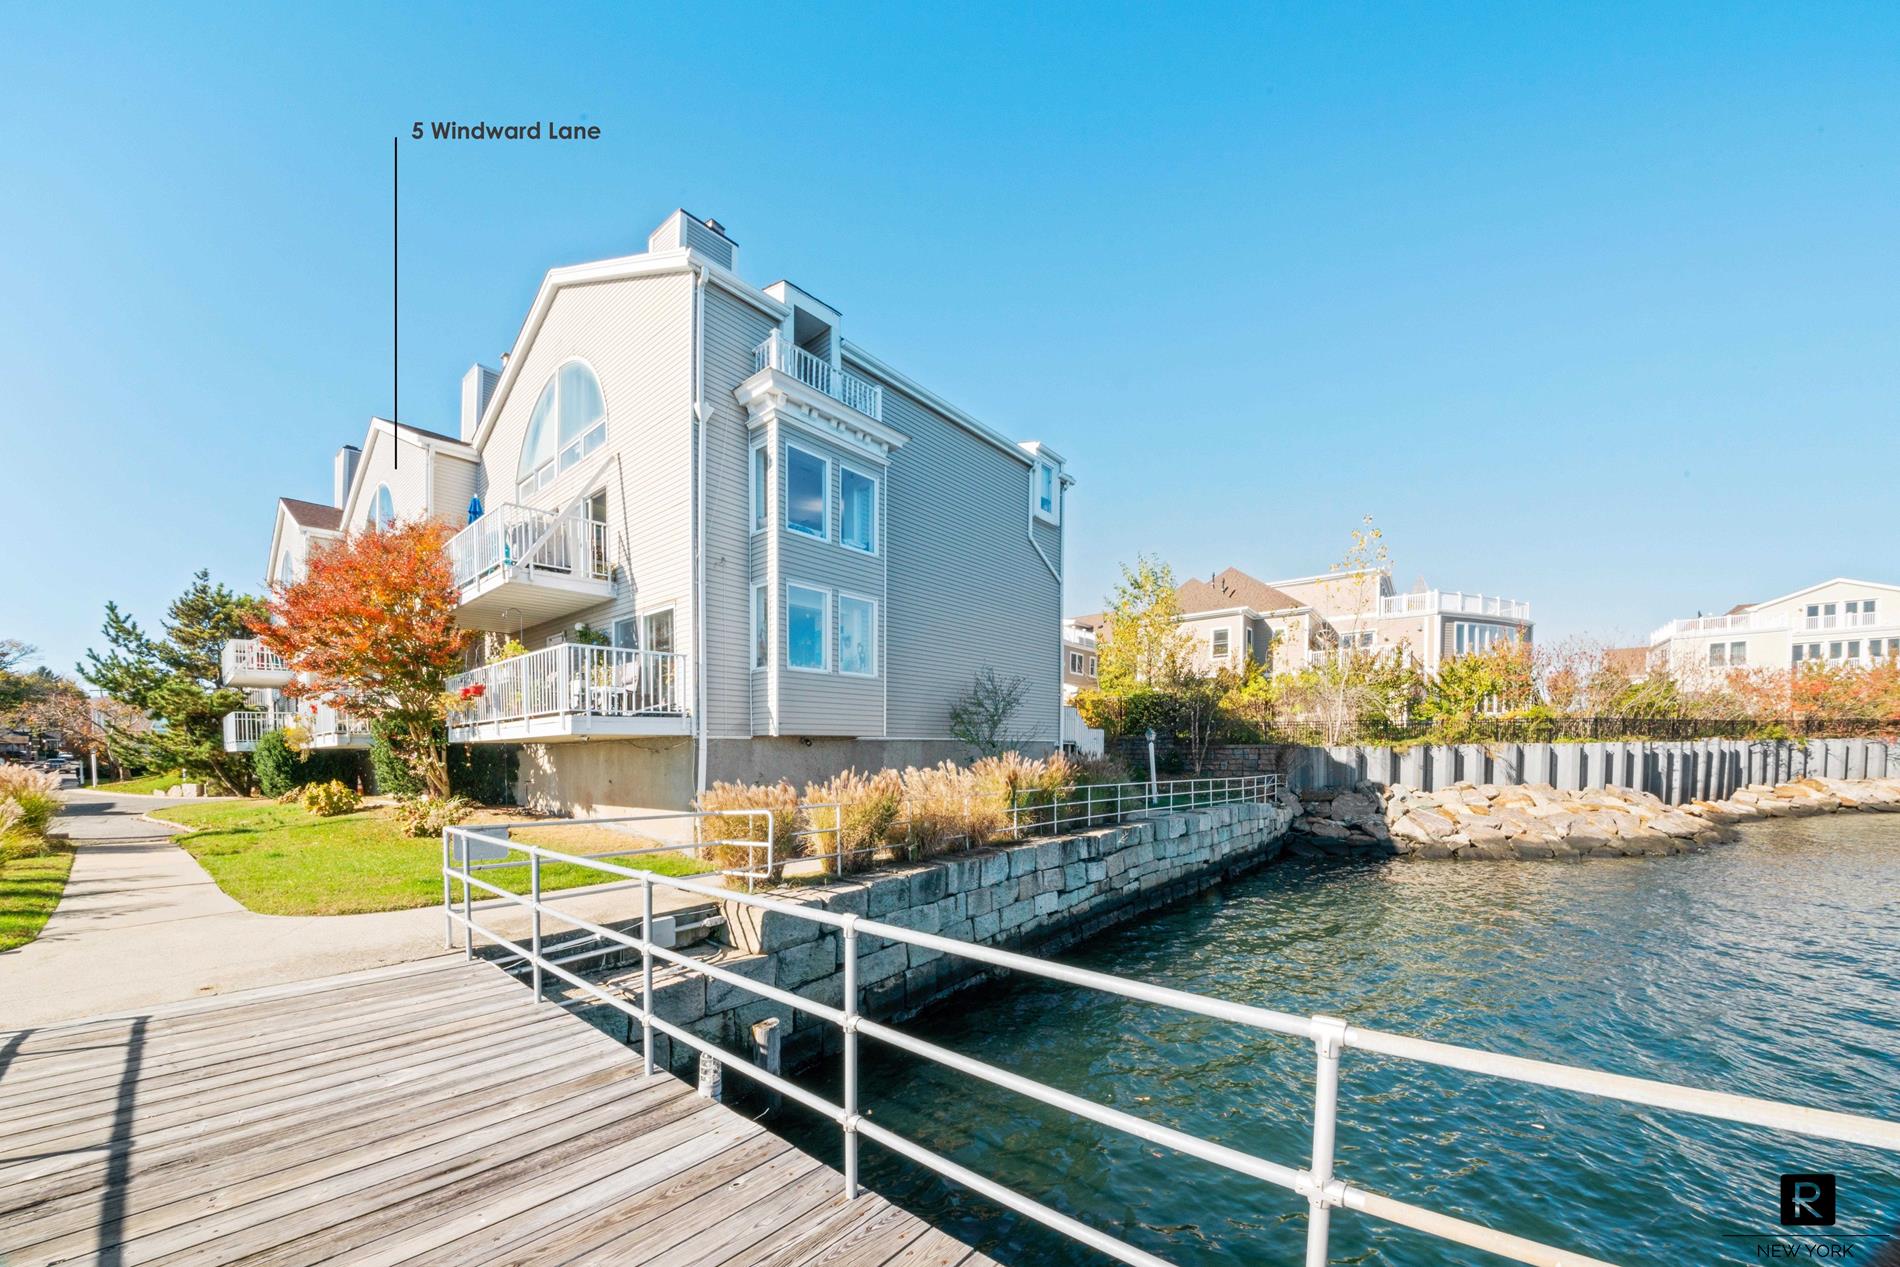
{"points": [[1840, 621], [1290, 624], [735, 543]]}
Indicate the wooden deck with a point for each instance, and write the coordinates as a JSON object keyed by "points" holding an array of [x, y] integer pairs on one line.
{"points": [[422, 1114]]}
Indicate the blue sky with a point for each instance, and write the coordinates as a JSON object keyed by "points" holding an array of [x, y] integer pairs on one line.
{"points": [[1594, 308]]}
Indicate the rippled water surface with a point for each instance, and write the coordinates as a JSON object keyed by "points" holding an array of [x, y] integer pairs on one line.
{"points": [[1771, 967]]}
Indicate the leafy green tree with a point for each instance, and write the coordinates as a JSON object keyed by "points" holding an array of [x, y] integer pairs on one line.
{"points": [[1143, 645], [172, 678]]}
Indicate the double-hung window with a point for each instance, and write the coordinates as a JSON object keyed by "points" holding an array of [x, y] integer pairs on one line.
{"points": [[1075, 663], [857, 636], [761, 484], [807, 492], [807, 628], [1045, 492], [1718, 654], [857, 510], [1221, 639]]}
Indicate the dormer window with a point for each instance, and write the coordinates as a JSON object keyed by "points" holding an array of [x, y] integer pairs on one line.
{"points": [[569, 422], [1045, 492]]}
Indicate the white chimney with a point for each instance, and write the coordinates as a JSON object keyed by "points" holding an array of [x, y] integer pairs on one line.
{"points": [[682, 230], [477, 386], [343, 473]]}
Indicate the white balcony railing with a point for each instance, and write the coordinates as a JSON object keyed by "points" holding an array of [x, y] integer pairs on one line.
{"points": [[1740, 622], [331, 729], [780, 353], [244, 728], [570, 680], [241, 658], [1453, 602], [513, 537]]}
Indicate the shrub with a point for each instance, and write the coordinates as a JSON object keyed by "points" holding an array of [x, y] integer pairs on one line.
{"points": [[944, 808], [280, 768], [33, 794], [326, 799], [721, 834], [428, 815], [390, 775], [868, 807]]}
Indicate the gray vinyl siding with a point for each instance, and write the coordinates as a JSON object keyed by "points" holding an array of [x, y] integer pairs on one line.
{"points": [[966, 590], [707, 243], [820, 347], [636, 335], [735, 704], [407, 480], [828, 703]]}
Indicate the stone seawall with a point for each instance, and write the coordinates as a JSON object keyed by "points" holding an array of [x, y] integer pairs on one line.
{"points": [[1492, 822], [1040, 895]]}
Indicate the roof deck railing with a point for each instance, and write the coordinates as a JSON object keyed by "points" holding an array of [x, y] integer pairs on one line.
{"points": [[1313, 1179], [780, 353]]}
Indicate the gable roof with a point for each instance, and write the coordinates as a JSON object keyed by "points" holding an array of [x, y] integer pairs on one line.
{"points": [[312, 515], [1231, 588], [1808, 589]]}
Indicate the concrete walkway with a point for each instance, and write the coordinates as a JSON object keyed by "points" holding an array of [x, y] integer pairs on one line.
{"points": [[142, 924]]}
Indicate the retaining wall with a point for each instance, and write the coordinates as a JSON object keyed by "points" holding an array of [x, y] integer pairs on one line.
{"points": [[1040, 895], [1676, 771]]}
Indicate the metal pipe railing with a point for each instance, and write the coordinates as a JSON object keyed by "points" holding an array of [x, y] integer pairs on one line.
{"points": [[1331, 1037]]}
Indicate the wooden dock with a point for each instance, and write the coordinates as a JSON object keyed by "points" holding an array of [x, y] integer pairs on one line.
{"points": [[429, 1113]]}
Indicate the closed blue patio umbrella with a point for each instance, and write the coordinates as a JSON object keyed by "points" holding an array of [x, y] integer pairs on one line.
{"points": [[474, 508]]}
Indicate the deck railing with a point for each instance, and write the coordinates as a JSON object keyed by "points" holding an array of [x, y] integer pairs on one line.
{"points": [[242, 729], [1331, 1037], [1738, 623], [511, 536], [248, 655], [780, 353], [1454, 602], [574, 678]]}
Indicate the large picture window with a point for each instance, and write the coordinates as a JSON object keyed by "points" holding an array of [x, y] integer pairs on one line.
{"points": [[807, 492], [857, 510], [857, 636], [807, 628], [569, 422]]}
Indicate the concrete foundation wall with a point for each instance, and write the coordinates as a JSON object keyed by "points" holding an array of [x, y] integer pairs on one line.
{"points": [[1041, 895]]}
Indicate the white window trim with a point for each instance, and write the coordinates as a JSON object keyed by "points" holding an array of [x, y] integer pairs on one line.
{"points": [[647, 613], [825, 634], [877, 509], [872, 603], [824, 522], [759, 504], [1215, 648], [1054, 514], [1075, 663], [752, 627]]}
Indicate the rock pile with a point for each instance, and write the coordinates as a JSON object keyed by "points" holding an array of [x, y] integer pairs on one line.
{"points": [[1536, 820]]}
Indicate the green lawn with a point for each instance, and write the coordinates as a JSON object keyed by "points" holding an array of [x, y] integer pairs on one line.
{"points": [[29, 890], [144, 784], [280, 860]]}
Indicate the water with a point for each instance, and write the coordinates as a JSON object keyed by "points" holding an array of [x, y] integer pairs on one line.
{"points": [[1770, 967]]}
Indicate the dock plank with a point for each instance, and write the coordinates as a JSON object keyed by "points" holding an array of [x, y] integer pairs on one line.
{"points": [[428, 1113]]}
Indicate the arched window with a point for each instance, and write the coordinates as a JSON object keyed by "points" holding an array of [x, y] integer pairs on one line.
{"points": [[385, 509], [568, 423], [284, 576]]}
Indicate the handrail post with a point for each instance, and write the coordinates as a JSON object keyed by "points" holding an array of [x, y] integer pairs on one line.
{"points": [[1328, 1037], [837, 837], [448, 900], [534, 895], [468, 904], [646, 971], [850, 947]]}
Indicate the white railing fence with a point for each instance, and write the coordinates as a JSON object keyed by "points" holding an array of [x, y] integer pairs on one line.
{"points": [[1035, 812], [1455, 602], [246, 726], [573, 678], [780, 353], [248, 655], [510, 536], [1323, 1190]]}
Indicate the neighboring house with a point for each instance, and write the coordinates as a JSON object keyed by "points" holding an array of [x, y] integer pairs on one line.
{"points": [[797, 558], [1288, 625], [1840, 621], [1078, 659], [1630, 662]]}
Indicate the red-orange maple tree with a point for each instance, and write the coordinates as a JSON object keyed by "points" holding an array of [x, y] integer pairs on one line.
{"points": [[371, 631]]}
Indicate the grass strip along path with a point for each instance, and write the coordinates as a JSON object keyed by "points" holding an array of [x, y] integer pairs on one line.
{"points": [[30, 887], [282, 860]]}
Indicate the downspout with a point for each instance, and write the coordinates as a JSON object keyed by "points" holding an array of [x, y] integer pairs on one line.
{"points": [[1062, 526], [699, 530]]}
